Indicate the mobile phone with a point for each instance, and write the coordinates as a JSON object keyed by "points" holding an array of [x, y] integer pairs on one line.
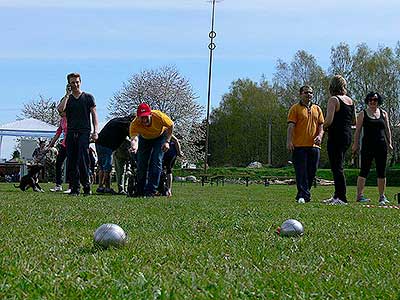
{"points": [[69, 88]]}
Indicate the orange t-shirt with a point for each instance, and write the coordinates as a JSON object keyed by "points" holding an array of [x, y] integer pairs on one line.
{"points": [[159, 123], [306, 120]]}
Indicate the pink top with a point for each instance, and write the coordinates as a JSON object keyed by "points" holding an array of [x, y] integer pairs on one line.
{"points": [[63, 129]]}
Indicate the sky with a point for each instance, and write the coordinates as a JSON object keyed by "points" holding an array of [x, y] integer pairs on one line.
{"points": [[109, 41]]}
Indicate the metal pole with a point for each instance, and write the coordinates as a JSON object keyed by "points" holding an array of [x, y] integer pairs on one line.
{"points": [[211, 46], [270, 142]]}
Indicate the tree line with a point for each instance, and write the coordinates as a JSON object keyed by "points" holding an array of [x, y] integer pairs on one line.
{"points": [[252, 114]]}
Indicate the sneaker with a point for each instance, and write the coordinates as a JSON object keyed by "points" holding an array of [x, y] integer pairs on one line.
{"points": [[57, 188], [301, 200], [337, 201], [67, 191], [383, 200], [74, 193], [328, 201], [363, 199]]}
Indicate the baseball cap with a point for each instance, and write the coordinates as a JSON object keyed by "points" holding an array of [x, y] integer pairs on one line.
{"points": [[143, 110]]}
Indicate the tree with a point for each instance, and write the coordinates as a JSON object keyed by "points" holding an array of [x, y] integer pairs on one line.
{"points": [[43, 109], [164, 89], [303, 70], [239, 129]]}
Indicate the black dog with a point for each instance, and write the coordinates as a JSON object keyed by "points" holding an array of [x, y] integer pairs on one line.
{"points": [[31, 179]]}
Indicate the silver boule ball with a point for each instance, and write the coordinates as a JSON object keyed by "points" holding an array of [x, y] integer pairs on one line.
{"points": [[291, 227], [109, 235]]}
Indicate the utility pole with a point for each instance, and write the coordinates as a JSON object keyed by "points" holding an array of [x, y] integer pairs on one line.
{"points": [[211, 47]]}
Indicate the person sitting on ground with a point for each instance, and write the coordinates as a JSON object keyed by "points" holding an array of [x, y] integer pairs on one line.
{"points": [[39, 154], [376, 141]]}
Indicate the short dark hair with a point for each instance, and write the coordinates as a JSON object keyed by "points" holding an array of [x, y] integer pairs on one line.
{"points": [[304, 87], [372, 95], [73, 75]]}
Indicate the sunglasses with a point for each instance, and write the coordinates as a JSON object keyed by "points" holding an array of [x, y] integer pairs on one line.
{"points": [[307, 92]]}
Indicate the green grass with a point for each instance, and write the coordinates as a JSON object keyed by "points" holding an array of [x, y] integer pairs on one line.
{"points": [[211, 242]]}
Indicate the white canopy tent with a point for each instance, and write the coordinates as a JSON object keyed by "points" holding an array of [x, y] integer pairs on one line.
{"points": [[28, 128]]}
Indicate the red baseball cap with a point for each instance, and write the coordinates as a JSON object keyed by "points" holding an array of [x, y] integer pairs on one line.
{"points": [[143, 110]]}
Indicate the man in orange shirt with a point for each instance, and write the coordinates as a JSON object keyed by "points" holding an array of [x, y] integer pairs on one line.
{"points": [[151, 133], [304, 136]]}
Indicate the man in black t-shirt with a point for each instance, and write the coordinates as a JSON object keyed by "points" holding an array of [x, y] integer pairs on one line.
{"points": [[79, 107], [113, 134]]}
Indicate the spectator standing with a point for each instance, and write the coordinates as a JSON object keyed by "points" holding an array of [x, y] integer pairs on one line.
{"points": [[169, 162], [377, 139], [113, 134], [304, 136], [80, 109], [339, 118], [121, 158], [62, 152]]}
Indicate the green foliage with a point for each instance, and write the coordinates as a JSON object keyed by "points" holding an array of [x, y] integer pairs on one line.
{"points": [[204, 243], [240, 127]]}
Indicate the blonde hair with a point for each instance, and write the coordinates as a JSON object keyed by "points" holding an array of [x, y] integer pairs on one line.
{"points": [[338, 85]]}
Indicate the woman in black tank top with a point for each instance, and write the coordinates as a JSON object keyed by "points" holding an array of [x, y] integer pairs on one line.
{"points": [[339, 118], [376, 140]]}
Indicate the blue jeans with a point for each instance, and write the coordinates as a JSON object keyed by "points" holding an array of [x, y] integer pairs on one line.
{"points": [[104, 158], [149, 164], [305, 160]]}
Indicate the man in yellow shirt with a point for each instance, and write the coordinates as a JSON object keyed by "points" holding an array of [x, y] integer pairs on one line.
{"points": [[151, 133], [304, 136]]}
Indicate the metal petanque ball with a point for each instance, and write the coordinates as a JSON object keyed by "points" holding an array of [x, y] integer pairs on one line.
{"points": [[109, 235], [291, 227]]}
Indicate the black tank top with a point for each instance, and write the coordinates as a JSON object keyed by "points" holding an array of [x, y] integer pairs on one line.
{"points": [[374, 130], [340, 129]]}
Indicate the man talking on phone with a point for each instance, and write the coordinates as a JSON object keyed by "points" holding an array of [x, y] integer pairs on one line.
{"points": [[80, 108]]}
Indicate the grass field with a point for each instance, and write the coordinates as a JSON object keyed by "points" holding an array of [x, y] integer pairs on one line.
{"points": [[211, 242]]}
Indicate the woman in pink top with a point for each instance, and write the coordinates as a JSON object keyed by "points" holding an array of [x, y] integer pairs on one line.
{"points": [[62, 152]]}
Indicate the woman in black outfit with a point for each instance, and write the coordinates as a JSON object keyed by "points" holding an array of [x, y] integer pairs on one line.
{"points": [[340, 116], [376, 140]]}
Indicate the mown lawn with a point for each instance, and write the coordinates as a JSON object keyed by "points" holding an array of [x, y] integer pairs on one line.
{"points": [[211, 242]]}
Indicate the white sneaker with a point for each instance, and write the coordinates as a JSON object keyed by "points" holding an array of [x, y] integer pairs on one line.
{"points": [[328, 201], [301, 200], [67, 191], [383, 201], [337, 201], [57, 188]]}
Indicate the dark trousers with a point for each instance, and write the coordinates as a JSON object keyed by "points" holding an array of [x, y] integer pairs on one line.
{"points": [[336, 154], [78, 159], [149, 164], [305, 160], [61, 156], [368, 154]]}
